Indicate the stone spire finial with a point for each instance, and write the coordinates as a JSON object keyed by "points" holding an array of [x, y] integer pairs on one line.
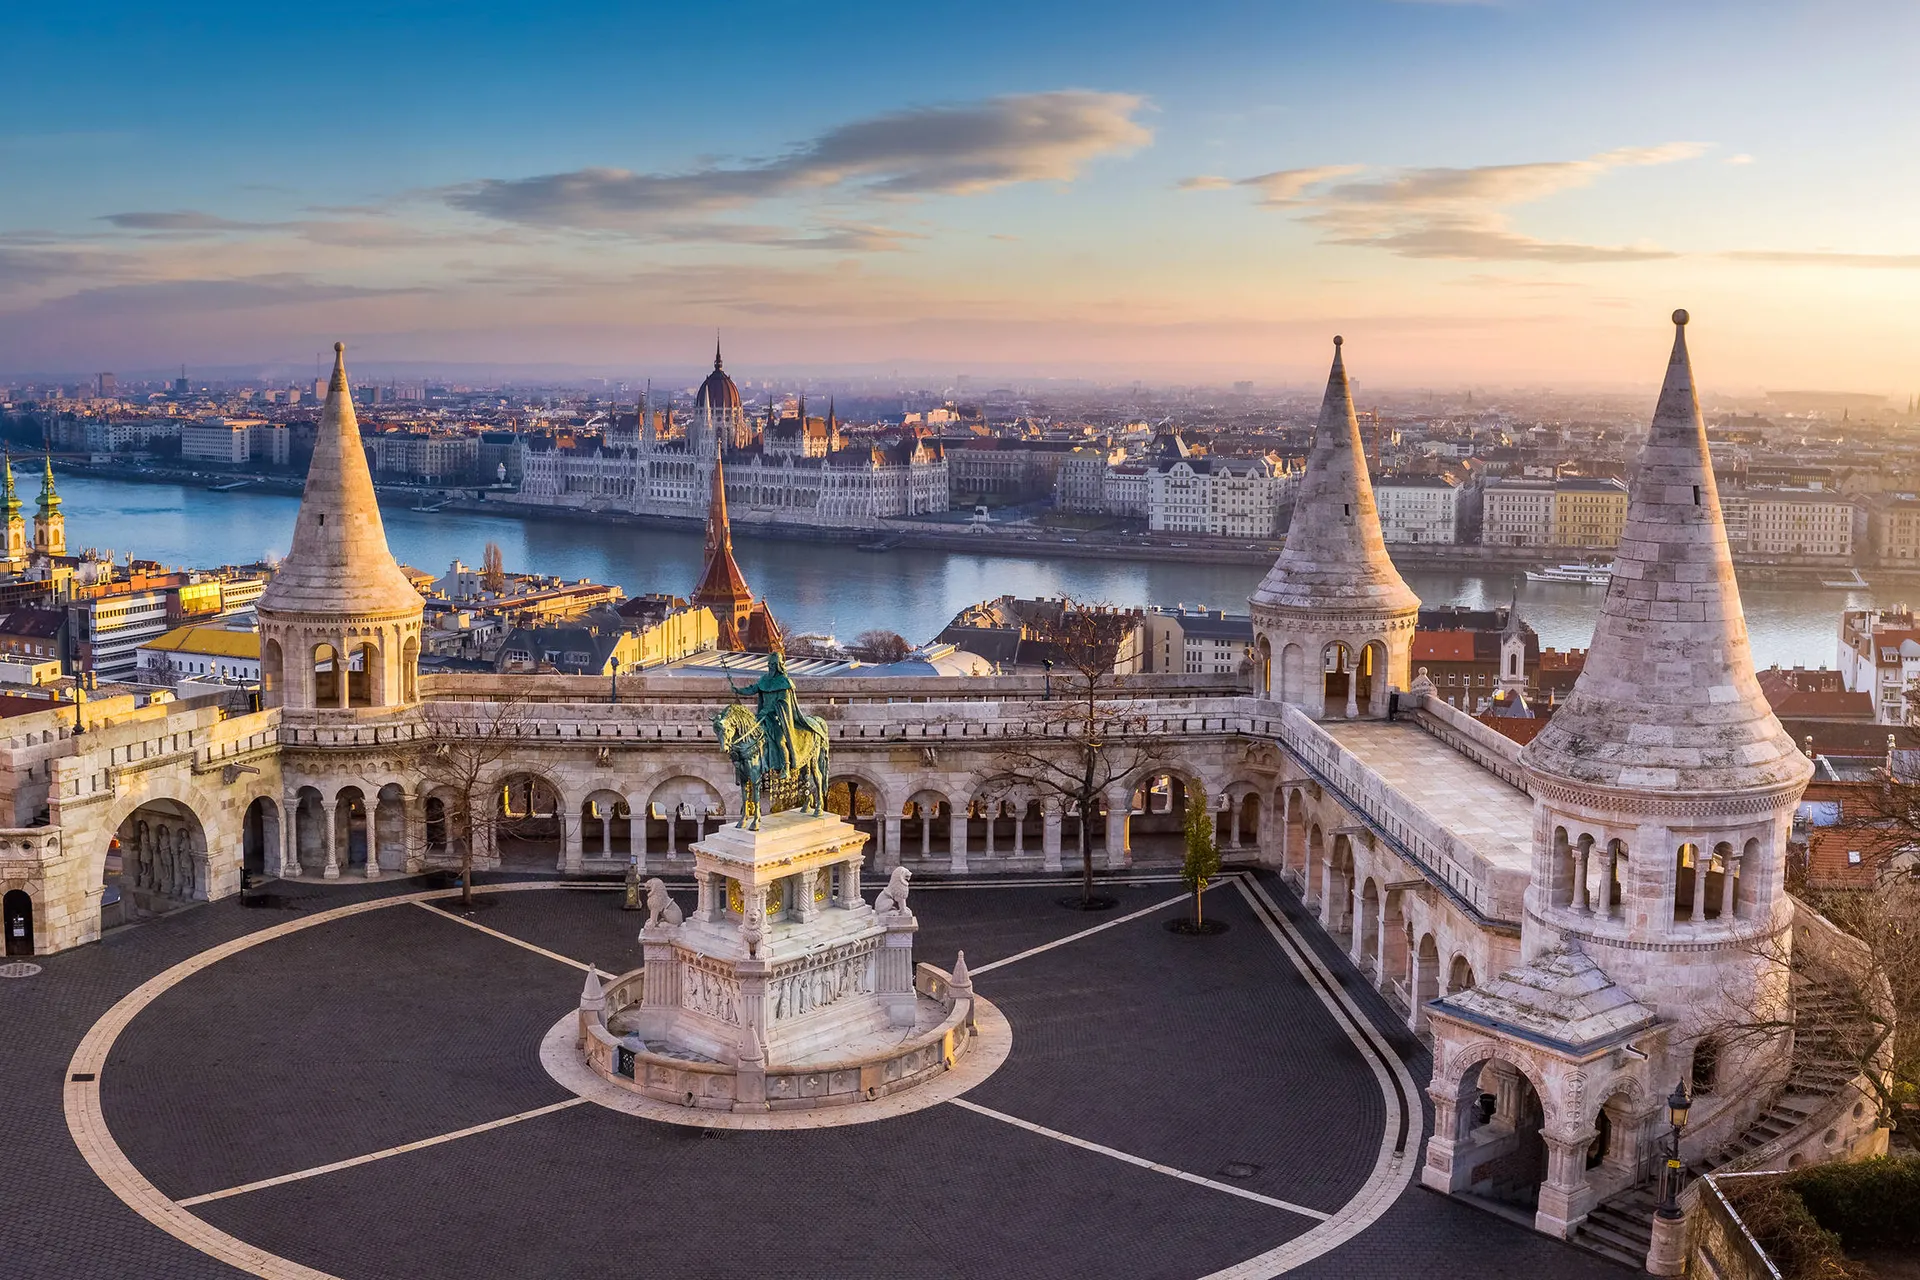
{"points": [[1667, 700], [49, 498], [339, 562], [10, 500], [961, 982], [716, 351], [1335, 555], [592, 994]]}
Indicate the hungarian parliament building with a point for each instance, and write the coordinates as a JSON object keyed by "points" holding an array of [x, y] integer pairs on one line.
{"points": [[797, 470]]}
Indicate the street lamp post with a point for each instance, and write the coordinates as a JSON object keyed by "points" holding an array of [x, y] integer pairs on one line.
{"points": [[1677, 1105]]}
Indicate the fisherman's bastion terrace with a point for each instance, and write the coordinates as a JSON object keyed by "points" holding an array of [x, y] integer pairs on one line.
{"points": [[797, 988]]}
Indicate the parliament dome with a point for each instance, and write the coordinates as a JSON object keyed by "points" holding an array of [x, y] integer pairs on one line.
{"points": [[718, 391]]}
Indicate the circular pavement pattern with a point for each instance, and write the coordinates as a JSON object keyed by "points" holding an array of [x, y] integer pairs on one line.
{"points": [[361, 1093]]}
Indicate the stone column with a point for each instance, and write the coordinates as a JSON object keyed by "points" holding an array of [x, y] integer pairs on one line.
{"points": [[1564, 1196], [673, 823], [893, 967], [1119, 829], [957, 839], [413, 818], [1702, 859], [993, 819], [343, 669], [750, 1084], [373, 837], [1050, 836], [290, 839], [1416, 1008], [1020, 834], [1667, 1254], [1582, 895], [926, 833], [1233, 819], [1356, 925], [1605, 909], [1286, 832], [572, 858], [850, 895], [890, 844], [1728, 884], [1437, 1173], [331, 871]]}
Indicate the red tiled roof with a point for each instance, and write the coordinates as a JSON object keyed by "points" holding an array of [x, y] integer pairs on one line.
{"points": [[1443, 646], [1850, 857], [1820, 704]]}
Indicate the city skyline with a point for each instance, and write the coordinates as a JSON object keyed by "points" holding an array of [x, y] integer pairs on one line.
{"points": [[1472, 193]]}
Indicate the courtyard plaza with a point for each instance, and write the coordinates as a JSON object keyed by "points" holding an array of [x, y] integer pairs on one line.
{"points": [[351, 1085]]}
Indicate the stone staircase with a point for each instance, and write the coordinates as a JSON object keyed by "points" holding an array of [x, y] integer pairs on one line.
{"points": [[1621, 1227]]}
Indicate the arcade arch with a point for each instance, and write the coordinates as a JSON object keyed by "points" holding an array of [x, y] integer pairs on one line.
{"points": [[528, 827], [162, 860]]}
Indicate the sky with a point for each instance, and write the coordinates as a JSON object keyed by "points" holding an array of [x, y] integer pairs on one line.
{"points": [[1509, 194]]}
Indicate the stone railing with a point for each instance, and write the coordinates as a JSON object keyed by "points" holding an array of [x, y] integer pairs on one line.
{"points": [[1718, 1241], [1460, 872], [828, 1082], [659, 689]]}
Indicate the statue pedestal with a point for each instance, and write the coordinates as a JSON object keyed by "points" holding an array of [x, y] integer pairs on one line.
{"points": [[782, 958]]}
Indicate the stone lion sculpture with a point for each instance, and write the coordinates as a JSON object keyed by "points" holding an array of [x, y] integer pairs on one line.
{"points": [[661, 908], [894, 896]]}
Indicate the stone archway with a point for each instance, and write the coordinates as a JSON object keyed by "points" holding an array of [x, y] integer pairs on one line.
{"points": [[927, 826], [391, 833], [1426, 981], [1459, 975], [1499, 1140], [528, 825], [606, 826], [679, 812], [16, 922], [260, 837], [353, 832], [162, 861], [1336, 903], [1367, 929]]}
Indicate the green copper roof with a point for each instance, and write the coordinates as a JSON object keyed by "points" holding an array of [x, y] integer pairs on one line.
{"points": [[49, 500]]}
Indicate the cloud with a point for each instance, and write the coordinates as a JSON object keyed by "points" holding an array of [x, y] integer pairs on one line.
{"points": [[1741, 158], [1205, 182], [184, 220], [951, 150], [1821, 258], [1453, 213]]}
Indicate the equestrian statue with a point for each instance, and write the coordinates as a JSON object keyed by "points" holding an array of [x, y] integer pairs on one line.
{"points": [[779, 752]]}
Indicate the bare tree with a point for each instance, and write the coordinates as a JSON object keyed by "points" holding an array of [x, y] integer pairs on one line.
{"points": [[1848, 996], [1202, 863], [463, 747], [493, 569], [1087, 736], [881, 645]]}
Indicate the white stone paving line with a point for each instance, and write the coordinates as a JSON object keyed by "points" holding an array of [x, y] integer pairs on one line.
{"points": [[1086, 933], [1138, 1161], [430, 909], [371, 1156], [1391, 1171]]}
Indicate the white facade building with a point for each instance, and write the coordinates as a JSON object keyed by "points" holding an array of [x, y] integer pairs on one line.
{"points": [[1419, 509], [1218, 497], [1879, 654], [1517, 513], [228, 441], [794, 473], [1791, 522]]}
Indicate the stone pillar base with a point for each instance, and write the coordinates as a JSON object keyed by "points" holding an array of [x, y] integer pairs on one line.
{"points": [[1667, 1255]]}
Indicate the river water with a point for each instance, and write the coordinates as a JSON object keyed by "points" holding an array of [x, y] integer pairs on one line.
{"points": [[836, 589]]}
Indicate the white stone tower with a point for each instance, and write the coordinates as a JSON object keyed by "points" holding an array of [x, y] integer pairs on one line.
{"points": [[49, 526], [1663, 794], [339, 622], [1333, 623]]}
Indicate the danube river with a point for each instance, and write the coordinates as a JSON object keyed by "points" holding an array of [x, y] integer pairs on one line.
{"points": [[828, 588]]}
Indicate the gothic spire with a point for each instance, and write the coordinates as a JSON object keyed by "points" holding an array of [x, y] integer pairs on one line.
{"points": [[1667, 700], [10, 500], [49, 497], [722, 586]]}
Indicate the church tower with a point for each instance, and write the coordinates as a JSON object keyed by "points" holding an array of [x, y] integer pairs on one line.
{"points": [[16, 545], [49, 526], [339, 622], [744, 623], [1333, 623]]}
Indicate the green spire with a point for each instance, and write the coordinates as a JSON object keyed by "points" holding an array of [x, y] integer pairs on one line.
{"points": [[9, 499], [49, 500]]}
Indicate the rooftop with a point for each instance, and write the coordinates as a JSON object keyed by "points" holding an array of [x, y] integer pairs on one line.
{"points": [[1491, 817]]}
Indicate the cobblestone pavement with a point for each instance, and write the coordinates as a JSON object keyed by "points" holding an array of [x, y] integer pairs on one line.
{"points": [[1206, 1055]]}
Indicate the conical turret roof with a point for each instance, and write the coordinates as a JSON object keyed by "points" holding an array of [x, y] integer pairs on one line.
{"points": [[339, 563], [1668, 701], [1335, 557]]}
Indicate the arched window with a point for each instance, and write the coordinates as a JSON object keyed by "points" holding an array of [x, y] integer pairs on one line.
{"points": [[1706, 1066]]}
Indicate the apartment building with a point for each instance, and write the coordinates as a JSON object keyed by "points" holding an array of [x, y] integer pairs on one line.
{"points": [[1588, 512], [1517, 513], [1424, 509]]}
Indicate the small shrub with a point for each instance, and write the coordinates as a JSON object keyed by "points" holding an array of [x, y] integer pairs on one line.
{"points": [[1778, 1218]]}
